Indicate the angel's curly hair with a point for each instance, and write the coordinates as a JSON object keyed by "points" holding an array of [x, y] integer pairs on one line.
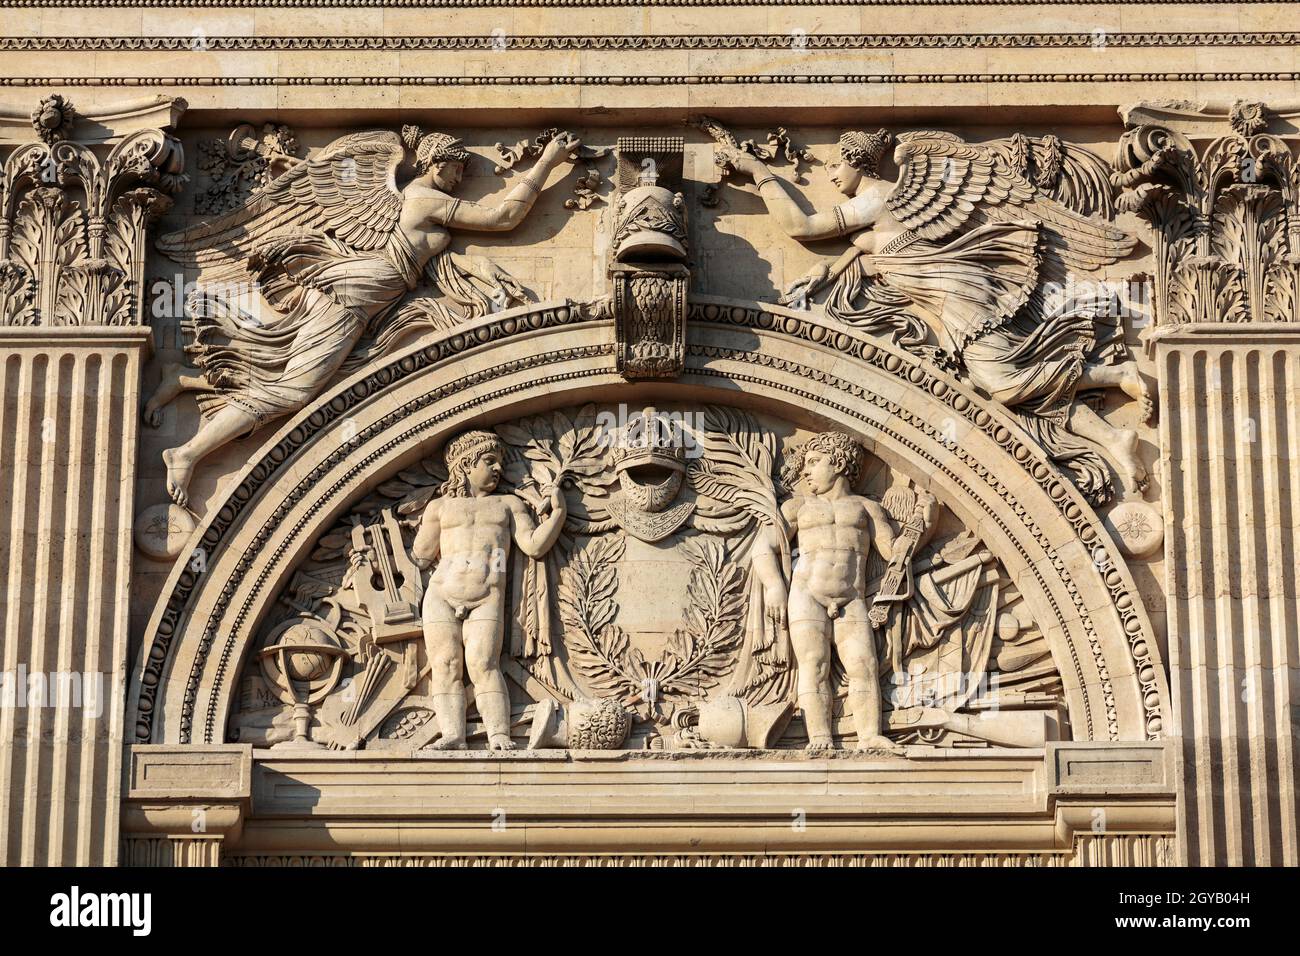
{"points": [[863, 150], [845, 452], [433, 148], [462, 454]]}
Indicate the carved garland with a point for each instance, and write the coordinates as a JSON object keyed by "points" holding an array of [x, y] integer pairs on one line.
{"points": [[1089, 532]]}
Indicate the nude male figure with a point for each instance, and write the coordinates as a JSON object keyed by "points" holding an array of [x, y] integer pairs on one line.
{"points": [[468, 530], [827, 603]]}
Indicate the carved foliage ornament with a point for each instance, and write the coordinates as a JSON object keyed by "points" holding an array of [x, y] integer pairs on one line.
{"points": [[1224, 218], [242, 163], [73, 224]]}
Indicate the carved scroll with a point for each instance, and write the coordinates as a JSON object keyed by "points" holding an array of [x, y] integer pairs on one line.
{"points": [[1224, 218], [73, 225]]}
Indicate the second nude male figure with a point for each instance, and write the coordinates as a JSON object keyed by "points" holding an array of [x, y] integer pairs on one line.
{"points": [[826, 603], [468, 531]]}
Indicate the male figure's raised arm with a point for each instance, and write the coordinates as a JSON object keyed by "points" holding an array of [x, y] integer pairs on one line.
{"points": [[533, 539], [424, 550], [882, 528]]}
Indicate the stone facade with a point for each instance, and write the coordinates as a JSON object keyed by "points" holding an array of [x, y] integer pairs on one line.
{"points": [[648, 434]]}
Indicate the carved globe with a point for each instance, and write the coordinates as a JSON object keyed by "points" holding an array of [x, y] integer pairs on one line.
{"points": [[307, 665]]}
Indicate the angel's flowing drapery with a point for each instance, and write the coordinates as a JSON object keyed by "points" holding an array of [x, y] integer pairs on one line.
{"points": [[326, 297], [975, 292], [324, 245]]}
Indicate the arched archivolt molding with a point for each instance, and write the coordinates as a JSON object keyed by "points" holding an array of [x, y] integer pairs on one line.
{"points": [[921, 422]]}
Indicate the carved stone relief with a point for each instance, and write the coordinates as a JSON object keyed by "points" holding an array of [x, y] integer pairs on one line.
{"points": [[557, 542], [1224, 212], [979, 257], [648, 266], [311, 275], [243, 163], [73, 223], [987, 260]]}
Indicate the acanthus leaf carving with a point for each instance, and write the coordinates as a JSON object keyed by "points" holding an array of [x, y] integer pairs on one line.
{"points": [[73, 227], [1224, 219]]}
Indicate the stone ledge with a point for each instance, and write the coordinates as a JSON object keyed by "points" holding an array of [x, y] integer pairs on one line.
{"points": [[221, 771], [549, 802], [1087, 768]]}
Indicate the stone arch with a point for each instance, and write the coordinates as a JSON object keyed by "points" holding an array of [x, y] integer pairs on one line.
{"points": [[940, 433]]}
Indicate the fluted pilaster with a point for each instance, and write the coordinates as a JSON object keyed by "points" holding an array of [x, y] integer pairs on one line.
{"points": [[68, 447], [1230, 442]]}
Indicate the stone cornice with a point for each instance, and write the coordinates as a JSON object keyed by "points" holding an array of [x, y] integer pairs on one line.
{"points": [[440, 4], [767, 41]]}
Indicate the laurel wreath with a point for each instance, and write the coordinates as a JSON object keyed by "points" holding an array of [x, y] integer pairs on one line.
{"points": [[697, 656]]}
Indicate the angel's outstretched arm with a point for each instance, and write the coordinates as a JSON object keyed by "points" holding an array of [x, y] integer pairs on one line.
{"points": [[781, 205], [512, 210]]}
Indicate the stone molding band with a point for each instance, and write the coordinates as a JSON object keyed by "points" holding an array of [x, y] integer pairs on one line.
{"points": [[767, 41], [439, 4], [715, 79]]}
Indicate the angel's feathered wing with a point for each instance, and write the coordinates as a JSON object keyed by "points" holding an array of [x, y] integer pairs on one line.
{"points": [[945, 184], [348, 191]]}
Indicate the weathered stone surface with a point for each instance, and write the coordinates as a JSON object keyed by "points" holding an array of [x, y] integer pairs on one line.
{"points": [[720, 414]]}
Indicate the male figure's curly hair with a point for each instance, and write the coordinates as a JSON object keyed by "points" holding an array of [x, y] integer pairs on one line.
{"points": [[847, 455], [462, 454]]}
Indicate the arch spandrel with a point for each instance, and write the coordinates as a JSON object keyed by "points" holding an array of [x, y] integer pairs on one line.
{"points": [[918, 421]]}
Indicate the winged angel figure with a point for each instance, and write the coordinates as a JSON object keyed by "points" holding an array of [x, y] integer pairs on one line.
{"points": [[333, 246], [967, 246]]}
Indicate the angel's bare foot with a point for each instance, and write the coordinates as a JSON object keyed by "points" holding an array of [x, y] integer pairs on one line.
{"points": [[819, 744], [1124, 376], [879, 742], [1135, 388], [164, 394], [500, 742], [1128, 460], [448, 743], [180, 465]]}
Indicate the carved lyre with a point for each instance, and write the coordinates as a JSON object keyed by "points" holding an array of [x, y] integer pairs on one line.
{"points": [[392, 589], [896, 585]]}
